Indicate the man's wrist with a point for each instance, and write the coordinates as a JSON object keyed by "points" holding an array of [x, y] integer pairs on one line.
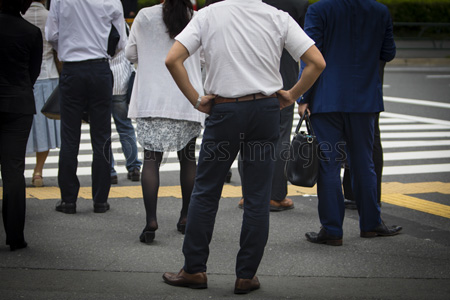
{"points": [[199, 101]]}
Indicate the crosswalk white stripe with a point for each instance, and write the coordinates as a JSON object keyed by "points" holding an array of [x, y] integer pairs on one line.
{"points": [[417, 134], [412, 127], [414, 155], [417, 102], [415, 144], [415, 119], [416, 169], [394, 126]]}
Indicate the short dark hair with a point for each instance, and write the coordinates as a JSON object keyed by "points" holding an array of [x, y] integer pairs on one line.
{"points": [[15, 6]]}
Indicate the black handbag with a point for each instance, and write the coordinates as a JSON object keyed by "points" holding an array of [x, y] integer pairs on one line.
{"points": [[302, 166], [130, 86], [51, 106]]}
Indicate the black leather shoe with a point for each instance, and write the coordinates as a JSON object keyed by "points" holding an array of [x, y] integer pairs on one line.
{"points": [[114, 179], [381, 230], [65, 207], [181, 227], [101, 207], [324, 238], [245, 286], [350, 204], [16, 246], [134, 175], [183, 279]]}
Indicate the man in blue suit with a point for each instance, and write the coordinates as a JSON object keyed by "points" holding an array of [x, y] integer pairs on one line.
{"points": [[353, 36]]}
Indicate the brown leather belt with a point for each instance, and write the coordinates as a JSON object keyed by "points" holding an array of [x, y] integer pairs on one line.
{"points": [[250, 97]]}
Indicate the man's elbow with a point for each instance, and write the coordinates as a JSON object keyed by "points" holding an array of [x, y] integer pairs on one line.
{"points": [[321, 65]]}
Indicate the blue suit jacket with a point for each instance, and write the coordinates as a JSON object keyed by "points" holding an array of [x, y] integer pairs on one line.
{"points": [[353, 36]]}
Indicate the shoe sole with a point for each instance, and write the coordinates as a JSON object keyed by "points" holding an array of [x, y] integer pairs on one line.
{"points": [[242, 292], [197, 286], [147, 237], [100, 210], [67, 210], [281, 208], [376, 234], [328, 242]]}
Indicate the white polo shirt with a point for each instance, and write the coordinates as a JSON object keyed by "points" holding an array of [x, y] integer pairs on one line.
{"points": [[243, 42]]}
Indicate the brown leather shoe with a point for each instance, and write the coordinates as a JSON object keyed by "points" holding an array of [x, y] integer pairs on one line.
{"points": [[241, 203], [284, 204], [183, 279], [245, 286]]}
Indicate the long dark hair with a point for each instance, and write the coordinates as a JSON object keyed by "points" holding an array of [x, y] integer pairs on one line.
{"points": [[176, 15]]}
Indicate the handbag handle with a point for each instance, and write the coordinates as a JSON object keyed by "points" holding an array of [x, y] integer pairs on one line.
{"points": [[308, 124]]}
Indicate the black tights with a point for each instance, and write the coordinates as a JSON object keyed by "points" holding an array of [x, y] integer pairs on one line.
{"points": [[150, 181]]}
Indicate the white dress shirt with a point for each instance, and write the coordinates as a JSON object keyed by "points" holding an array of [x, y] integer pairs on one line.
{"points": [[37, 15], [79, 29], [243, 42], [155, 93], [121, 69]]}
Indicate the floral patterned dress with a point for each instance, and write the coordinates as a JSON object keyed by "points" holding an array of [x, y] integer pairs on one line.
{"points": [[163, 134]]}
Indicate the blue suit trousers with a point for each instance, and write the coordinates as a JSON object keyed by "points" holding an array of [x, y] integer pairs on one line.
{"points": [[346, 136]]}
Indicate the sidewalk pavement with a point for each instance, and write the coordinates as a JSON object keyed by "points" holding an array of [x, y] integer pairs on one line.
{"points": [[99, 256]]}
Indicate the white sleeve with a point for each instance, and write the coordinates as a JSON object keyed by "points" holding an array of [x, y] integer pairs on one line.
{"points": [[190, 37], [297, 41], [52, 25], [131, 47]]}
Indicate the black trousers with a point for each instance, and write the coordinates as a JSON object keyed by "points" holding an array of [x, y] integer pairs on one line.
{"points": [[85, 86], [251, 128], [14, 131]]}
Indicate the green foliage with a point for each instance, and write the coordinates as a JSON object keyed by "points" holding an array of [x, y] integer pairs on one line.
{"points": [[146, 3], [435, 11]]}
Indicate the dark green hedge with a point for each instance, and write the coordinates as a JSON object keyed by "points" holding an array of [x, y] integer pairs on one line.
{"points": [[436, 11]]}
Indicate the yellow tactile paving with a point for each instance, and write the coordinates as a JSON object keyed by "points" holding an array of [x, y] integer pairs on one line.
{"points": [[418, 204], [396, 193]]}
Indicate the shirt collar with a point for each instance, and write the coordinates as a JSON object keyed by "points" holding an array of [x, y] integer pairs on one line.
{"points": [[37, 4]]}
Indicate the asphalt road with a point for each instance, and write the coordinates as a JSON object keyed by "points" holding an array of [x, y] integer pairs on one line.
{"points": [[98, 256]]}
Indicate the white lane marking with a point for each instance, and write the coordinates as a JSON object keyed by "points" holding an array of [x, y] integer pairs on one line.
{"points": [[414, 155], [416, 169], [415, 118], [437, 76], [418, 134], [417, 102], [413, 127], [415, 144]]}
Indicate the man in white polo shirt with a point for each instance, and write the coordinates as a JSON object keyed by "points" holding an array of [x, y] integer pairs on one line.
{"points": [[243, 43]]}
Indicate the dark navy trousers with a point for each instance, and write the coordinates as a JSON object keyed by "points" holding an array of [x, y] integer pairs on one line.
{"points": [[85, 86], [336, 133], [251, 127]]}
